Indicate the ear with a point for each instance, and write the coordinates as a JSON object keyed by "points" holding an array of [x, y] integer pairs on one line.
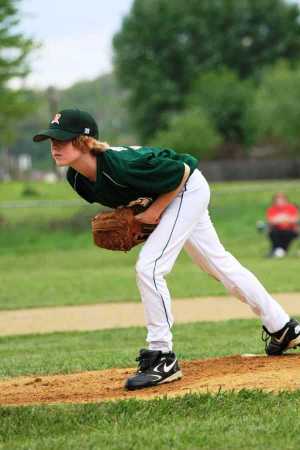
{"points": [[89, 142]]}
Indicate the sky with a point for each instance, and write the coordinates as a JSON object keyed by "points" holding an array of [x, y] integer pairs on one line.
{"points": [[76, 38]]}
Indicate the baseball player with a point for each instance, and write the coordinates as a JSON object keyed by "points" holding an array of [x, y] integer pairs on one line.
{"points": [[114, 176]]}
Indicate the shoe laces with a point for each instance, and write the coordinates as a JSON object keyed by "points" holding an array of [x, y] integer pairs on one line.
{"points": [[266, 337], [144, 362]]}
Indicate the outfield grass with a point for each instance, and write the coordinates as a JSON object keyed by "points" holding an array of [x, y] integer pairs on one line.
{"points": [[12, 191], [79, 351], [89, 276], [48, 258], [247, 420]]}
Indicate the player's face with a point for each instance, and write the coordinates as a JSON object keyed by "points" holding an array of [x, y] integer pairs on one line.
{"points": [[64, 153]]}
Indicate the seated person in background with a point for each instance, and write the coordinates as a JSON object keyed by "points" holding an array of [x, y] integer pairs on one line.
{"points": [[282, 219]]}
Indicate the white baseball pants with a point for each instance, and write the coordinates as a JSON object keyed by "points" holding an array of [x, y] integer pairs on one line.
{"points": [[186, 223]]}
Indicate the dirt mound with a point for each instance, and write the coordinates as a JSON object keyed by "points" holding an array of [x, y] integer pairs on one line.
{"points": [[210, 375]]}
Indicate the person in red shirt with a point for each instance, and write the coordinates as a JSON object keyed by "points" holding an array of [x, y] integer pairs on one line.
{"points": [[282, 218]]}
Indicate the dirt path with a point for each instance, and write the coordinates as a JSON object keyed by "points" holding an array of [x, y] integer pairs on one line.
{"points": [[210, 375], [117, 315]]}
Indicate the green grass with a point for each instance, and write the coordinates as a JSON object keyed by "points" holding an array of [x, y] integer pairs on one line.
{"points": [[48, 258], [244, 421], [11, 191], [79, 351], [247, 420], [89, 276]]}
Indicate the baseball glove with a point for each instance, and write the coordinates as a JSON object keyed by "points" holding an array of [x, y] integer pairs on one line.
{"points": [[118, 229]]}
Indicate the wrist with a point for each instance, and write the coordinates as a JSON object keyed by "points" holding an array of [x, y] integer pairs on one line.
{"points": [[155, 209]]}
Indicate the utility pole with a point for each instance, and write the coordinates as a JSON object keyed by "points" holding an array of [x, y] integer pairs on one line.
{"points": [[53, 98]]}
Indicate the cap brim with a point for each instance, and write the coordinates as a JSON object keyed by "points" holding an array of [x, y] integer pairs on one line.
{"points": [[52, 133]]}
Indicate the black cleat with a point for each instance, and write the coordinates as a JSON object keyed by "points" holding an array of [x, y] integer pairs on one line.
{"points": [[287, 337], [155, 367]]}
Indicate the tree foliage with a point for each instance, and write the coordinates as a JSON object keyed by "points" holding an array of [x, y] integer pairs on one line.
{"points": [[164, 45], [191, 132], [274, 115], [14, 52], [225, 99]]}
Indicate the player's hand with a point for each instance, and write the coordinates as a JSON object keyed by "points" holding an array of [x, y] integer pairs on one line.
{"points": [[150, 216]]}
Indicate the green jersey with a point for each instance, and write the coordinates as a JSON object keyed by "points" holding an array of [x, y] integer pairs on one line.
{"points": [[127, 173]]}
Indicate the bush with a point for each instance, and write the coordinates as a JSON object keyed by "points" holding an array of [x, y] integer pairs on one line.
{"points": [[29, 191], [190, 132]]}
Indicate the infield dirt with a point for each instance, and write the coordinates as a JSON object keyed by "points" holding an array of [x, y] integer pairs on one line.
{"points": [[231, 373], [118, 315]]}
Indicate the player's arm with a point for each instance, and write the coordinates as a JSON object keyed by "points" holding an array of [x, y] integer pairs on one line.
{"points": [[153, 213], [294, 217]]}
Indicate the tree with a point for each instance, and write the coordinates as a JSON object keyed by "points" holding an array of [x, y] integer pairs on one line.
{"points": [[164, 45], [14, 52], [274, 115], [225, 99]]}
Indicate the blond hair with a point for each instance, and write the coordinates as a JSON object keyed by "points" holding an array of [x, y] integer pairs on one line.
{"points": [[89, 144]]}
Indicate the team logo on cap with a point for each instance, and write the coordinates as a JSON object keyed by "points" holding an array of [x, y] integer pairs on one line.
{"points": [[56, 119]]}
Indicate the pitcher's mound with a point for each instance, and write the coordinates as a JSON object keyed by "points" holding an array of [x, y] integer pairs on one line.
{"points": [[210, 375]]}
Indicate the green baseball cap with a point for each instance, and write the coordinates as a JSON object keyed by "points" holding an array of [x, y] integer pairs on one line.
{"points": [[67, 125]]}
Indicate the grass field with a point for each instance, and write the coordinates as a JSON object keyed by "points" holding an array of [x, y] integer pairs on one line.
{"points": [[47, 259], [47, 255], [73, 352], [244, 421]]}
